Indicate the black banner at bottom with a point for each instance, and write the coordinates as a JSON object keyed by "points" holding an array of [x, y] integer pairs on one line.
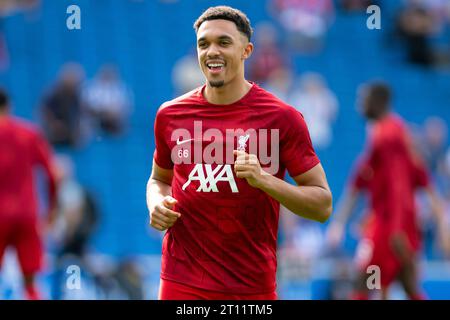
{"points": [[164, 310]]}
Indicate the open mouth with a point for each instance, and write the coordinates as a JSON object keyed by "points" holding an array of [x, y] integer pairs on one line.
{"points": [[215, 67]]}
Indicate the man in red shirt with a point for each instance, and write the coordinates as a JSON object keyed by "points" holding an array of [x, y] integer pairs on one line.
{"points": [[22, 149], [222, 151], [391, 172]]}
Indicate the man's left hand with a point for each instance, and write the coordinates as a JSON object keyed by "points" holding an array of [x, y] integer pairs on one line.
{"points": [[247, 166]]}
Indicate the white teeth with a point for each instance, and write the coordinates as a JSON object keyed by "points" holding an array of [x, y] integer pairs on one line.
{"points": [[214, 65]]}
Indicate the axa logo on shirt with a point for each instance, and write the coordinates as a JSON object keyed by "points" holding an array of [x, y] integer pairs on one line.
{"points": [[208, 182], [219, 150]]}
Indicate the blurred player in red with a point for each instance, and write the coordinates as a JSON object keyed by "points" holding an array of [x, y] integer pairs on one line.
{"points": [[22, 149], [391, 172], [222, 151]]}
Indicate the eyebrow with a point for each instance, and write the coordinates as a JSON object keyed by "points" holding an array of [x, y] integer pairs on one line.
{"points": [[224, 37]]}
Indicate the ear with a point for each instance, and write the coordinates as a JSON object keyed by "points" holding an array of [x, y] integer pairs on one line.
{"points": [[248, 49]]}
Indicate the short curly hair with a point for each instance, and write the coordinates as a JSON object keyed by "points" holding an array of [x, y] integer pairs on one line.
{"points": [[380, 92], [239, 18]]}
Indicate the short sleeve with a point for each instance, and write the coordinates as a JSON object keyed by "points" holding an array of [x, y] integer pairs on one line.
{"points": [[364, 169], [42, 150], [162, 154], [296, 151], [362, 175], [421, 176], [43, 156]]}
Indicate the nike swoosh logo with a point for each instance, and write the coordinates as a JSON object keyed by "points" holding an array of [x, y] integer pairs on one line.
{"points": [[183, 141]]}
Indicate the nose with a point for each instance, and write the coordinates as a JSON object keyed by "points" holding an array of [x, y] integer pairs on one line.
{"points": [[213, 51]]}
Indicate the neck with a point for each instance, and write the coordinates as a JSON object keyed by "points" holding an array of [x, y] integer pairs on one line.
{"points": [[228, 93]]}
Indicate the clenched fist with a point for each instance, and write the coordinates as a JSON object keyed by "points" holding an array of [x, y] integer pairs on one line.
{"points": [[247, 166], [162, 217]]}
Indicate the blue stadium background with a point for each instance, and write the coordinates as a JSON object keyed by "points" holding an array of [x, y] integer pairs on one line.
{"points": [[145, 39]]}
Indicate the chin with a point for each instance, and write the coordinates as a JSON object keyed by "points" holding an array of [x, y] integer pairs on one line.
{"points": [[216, 83]]}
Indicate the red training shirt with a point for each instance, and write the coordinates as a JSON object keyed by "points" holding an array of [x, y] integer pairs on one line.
{"points": [[22, 148], [226, 237], [391, 173]]}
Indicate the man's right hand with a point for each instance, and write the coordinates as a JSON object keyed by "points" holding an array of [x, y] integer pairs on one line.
{"points": [[49, 222], [162, 217]]}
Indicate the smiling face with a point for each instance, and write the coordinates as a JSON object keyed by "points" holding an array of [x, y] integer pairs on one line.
{"points": [[222, 50]]}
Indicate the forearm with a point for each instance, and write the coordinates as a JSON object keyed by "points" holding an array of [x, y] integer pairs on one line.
{"points": [[52, 191], [346, 206], [156, 191], [311, 202], [437, 209]]}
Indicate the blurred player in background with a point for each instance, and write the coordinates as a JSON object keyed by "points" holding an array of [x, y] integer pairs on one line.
{"points": [[221, 211], [391, 172], [22, 149]]}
